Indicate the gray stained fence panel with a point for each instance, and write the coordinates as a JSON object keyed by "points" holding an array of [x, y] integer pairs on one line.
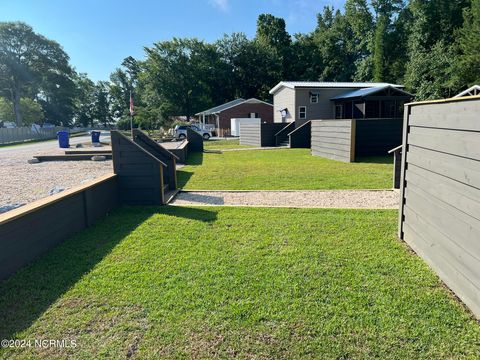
{"points": [[440, 207], [160, 152], [30, 231], [260, 135], [140, 173], [250, 135], [333, 139]]}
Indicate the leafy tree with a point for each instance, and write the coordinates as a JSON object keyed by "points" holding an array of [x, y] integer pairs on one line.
{"points": [[272, 35], [179, 73], [102, 103], [84, 101], [31, 110], [466, 70], [431, 55], [33, 66]]}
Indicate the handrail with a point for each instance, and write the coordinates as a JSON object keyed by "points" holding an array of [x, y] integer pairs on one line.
{"points": [[140, 148], [301, 126], [284, 128]]}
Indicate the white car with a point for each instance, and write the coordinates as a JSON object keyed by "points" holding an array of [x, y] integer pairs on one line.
{"points": [[181, 132]]}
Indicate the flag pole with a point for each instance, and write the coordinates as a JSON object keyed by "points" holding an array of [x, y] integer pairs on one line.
{"points": [[131, 113]]}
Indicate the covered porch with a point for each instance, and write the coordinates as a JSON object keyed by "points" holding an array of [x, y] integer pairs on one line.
{"points": [[371, 103]]}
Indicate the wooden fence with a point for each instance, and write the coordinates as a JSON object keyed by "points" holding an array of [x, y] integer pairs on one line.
{"points": [[29, 231], [141, 178], [440, 191], [334, 139], [260, 135], [12, 135]]}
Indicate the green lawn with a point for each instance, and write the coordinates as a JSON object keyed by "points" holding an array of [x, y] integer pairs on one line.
{"points": [[215, 282], [224, 144], [283, 169]]}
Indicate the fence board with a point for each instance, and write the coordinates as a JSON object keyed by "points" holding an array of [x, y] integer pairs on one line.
{"points": [[440, 207]]}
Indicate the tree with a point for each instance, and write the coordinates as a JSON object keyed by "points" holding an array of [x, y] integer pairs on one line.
{"points": [[179, 73], [466, 69], [31, 65], [435, 22], [31, 110], [84, 100], [272, 34], [102, 104]]}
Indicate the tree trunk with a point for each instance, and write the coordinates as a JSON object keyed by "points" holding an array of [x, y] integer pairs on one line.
{"points": [[16, 107]]}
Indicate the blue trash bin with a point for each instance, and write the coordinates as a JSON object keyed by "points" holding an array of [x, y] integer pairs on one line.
{"points": [[63, 139], [95, 136]]}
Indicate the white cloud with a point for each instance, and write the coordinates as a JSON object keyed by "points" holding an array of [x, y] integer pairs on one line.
{"points": [[221, 5]]}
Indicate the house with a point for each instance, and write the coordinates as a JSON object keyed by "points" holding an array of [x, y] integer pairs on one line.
{"points": [[220, 116], [303, 101]]}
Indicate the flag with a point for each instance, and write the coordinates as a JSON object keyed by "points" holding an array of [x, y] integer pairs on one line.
{"points": [[132, 112]]}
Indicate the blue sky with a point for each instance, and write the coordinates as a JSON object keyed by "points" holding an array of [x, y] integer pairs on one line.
{"points": [[98, 34]]}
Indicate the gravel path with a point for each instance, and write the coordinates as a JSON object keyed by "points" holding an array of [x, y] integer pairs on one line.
{"points": [[351, 199], [23, 183]]}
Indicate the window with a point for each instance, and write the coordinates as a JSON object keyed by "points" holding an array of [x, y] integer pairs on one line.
{"points": [[313, 98], [338, 111], [302, 112]]}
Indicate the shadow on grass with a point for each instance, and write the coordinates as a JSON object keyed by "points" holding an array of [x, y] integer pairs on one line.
{"points": [[33, 289], [378, 159], [195, 158], [183, 177], [191, 213]]}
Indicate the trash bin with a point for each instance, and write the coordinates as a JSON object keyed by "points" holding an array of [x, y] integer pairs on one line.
{"points": [[63, 139], [95, 136]]}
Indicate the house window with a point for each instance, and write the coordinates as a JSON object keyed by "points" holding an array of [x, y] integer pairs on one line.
{"points": [[338, 111], [313, 98], [302, 112]]}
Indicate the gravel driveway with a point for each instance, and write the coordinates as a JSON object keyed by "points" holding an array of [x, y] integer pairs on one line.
{"points": [[349, 199], [23, 183]]}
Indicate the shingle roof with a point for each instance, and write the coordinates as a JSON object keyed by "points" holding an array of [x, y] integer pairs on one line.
{"points": [[365, 92], [230, 104], [329, 84]]}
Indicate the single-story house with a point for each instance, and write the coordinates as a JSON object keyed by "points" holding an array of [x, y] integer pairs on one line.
{"points": [[302, 101], [221, 115]]}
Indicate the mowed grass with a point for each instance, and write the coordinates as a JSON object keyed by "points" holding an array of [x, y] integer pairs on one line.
{"points": [[177, 282], [224, 145], [282, 169]]}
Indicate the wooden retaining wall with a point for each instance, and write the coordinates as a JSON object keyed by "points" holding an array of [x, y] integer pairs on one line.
{"points": [[250, 134], [301, 137], [195, 141], [377, 136], [161, 153], [440, 207], [140, 173], [260, 135], [333, 139], [31, 230]]}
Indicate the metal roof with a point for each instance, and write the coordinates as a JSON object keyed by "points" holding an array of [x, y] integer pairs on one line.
{"points": [[367, 91], [329, 84], [230, 104]]}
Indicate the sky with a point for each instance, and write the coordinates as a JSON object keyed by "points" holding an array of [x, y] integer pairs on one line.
{"points": [[99, 34]]}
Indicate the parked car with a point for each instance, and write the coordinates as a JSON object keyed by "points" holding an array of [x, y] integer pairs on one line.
{"points": [[9, 124], [48, 126], [181, 132]]}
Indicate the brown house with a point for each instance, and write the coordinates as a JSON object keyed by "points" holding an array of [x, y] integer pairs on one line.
{"points": [[220, 116]]}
